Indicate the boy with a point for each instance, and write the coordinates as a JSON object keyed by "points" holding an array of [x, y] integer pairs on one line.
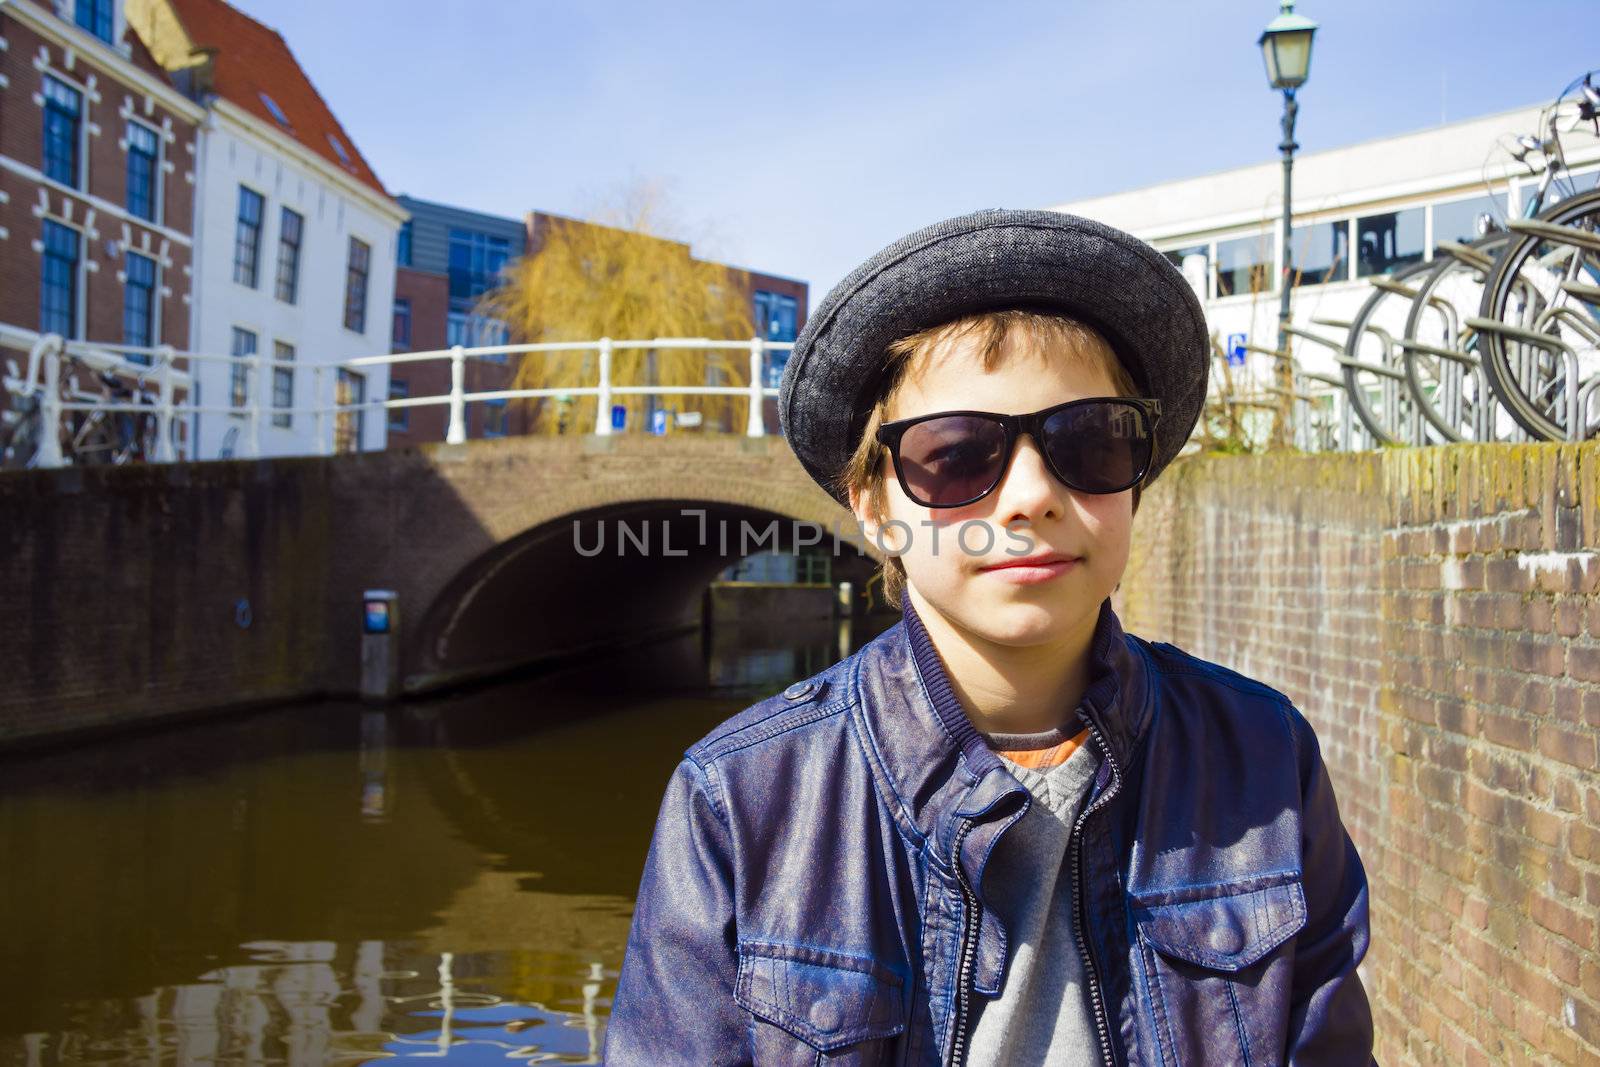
{"points": [[1004, 831]]}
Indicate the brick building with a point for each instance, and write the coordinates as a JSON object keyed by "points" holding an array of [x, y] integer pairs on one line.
{"points": [[296, 234], [450, 256], [98, 161]]}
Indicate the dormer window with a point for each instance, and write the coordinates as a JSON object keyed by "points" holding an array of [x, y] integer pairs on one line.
{"points": [[339, 150], [275, 111]]}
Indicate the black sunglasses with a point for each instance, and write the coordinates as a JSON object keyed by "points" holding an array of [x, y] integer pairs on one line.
{"points": [[952, 458]]}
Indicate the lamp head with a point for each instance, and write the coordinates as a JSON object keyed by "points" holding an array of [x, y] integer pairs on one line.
{"points": [[1286, 47]]}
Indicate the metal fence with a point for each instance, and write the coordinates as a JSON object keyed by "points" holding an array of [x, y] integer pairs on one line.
{"points": [[45, 391]]}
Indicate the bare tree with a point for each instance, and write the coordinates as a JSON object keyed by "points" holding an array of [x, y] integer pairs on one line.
{"points": [[620, 275]]}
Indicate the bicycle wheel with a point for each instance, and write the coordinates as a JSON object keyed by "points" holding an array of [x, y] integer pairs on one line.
{"points": [[1440, 352], [1539, 321], [1375, 380], [94, 441], [19, 442]]}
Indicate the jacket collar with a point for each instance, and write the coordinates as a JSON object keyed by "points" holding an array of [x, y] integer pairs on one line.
{"points": [[931, 758]]}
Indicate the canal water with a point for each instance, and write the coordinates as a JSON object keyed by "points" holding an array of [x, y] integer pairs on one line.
{"points": [[331, 883]]}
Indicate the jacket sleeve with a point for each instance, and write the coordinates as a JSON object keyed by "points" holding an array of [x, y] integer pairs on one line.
{"points": [[1330, 1020], [674, 1000]]}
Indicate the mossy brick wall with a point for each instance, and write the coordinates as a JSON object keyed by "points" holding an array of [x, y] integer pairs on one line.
{"points": [[1433, 612]]}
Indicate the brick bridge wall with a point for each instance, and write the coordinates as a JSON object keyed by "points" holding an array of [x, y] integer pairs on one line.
{"points": [[1433, 613], [137, 593]]}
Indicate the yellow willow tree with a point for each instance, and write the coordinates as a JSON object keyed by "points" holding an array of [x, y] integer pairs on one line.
{"points": [[619, 277]]}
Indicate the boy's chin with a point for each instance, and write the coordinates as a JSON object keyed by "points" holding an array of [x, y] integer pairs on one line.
{"points": [[1018, 625]]}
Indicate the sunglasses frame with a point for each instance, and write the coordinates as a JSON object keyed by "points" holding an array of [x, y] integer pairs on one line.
{"points": [[1032, 424]]}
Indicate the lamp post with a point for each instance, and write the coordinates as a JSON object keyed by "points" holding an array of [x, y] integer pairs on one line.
{"points": [[1286, 47]]}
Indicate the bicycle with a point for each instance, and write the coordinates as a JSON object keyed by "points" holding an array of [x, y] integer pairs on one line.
{"points": [[1538, 323], [93, 437]]}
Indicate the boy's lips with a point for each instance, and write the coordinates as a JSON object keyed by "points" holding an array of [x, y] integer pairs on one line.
{"points": [[1040, 567]]}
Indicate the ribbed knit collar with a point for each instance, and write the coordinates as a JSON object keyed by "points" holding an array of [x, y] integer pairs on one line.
{"points": [[1105, 648]]}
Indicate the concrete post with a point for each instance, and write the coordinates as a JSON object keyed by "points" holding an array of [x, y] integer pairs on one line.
{"points": [[755, 425], [252, 437], [50, 405], [602, 415], [165, 354], [456, 432], [320, 413], [380, 645]]}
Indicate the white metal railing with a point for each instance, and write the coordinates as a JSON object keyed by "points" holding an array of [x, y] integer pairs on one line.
{"points": [[47, 352]]}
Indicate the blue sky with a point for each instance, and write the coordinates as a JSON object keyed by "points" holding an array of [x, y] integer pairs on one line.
{"points": [[800, 138]]}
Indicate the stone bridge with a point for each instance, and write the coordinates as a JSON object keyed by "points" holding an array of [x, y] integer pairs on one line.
{"points": [[135, 592]]}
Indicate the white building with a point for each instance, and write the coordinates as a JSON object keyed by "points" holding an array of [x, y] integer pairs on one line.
{"points": [[1361, 210], [294, 239]]}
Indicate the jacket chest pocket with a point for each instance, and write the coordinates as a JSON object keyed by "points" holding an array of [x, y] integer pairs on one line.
{"points": [[818, 1006], [1217, 968]]}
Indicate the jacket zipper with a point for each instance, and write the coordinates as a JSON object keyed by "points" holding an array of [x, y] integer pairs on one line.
{"points": [[1102, 1027], [966, 957]]}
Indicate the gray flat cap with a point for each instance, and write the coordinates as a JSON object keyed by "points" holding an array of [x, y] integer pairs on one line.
{"points": [[988, 261]]}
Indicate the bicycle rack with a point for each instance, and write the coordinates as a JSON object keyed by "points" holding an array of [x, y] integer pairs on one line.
{"points": [[1472, 257], [1577, 393], [1550, 231]]}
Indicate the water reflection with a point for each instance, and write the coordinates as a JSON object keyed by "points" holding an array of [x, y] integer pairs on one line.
{"points": [[333, 883]]}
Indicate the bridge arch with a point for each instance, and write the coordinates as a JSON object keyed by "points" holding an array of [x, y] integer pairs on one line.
{"points": [[607, 552]]}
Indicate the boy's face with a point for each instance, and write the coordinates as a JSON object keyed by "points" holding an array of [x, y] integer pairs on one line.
{"points": [[1015, 607]]}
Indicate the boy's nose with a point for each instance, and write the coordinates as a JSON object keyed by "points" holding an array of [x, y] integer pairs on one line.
{"points": [[1028, 490]]}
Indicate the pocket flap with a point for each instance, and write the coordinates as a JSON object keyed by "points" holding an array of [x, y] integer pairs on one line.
{"points": [[826, 998], [1225, 926]]}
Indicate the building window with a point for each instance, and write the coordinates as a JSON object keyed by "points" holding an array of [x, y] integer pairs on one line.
{"points": [[1195, 263], [1387, 242], [63, 114], [476, 331], [494, 418], [402, 248], [275, 111], [1460, 220], [776, 318], [282, 384], [1321, 253], [476, 260], [1244, 265], [244, 346], [96, 16], [355, 286], [399, 418], [144, 162], [350, 391], [290, 228], [247, 237], [139, 305], [58, 292], [402, 324]]}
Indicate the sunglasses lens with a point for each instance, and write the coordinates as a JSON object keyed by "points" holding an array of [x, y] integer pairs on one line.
{"points": [[1098, 448], [952, 460]]}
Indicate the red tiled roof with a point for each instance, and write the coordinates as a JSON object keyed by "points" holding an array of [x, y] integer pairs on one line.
{"points": [[251, 60]]}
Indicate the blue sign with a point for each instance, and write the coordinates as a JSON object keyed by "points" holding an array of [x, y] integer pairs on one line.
{"points": [[619, 416], [1236, 350], [658, 421], [376, 617]]}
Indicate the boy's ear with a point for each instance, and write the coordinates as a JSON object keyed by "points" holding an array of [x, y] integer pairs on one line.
{"points": [[864, 517]]}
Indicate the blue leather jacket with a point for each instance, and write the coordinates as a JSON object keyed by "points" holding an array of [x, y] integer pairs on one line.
{"points": [[813, 891]]}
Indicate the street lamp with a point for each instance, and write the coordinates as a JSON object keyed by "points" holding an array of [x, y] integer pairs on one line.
{"points": [[1286, 47]]}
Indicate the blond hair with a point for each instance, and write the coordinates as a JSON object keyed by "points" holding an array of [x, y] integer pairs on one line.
{"points": [[1048, 335]]}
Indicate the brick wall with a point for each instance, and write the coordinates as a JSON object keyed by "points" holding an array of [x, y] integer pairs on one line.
{"points": [[111, 99], [1433, 613], [144, 592]]}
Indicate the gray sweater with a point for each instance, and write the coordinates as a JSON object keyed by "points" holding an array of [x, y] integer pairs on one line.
{"points": [[1042, 1015]]}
